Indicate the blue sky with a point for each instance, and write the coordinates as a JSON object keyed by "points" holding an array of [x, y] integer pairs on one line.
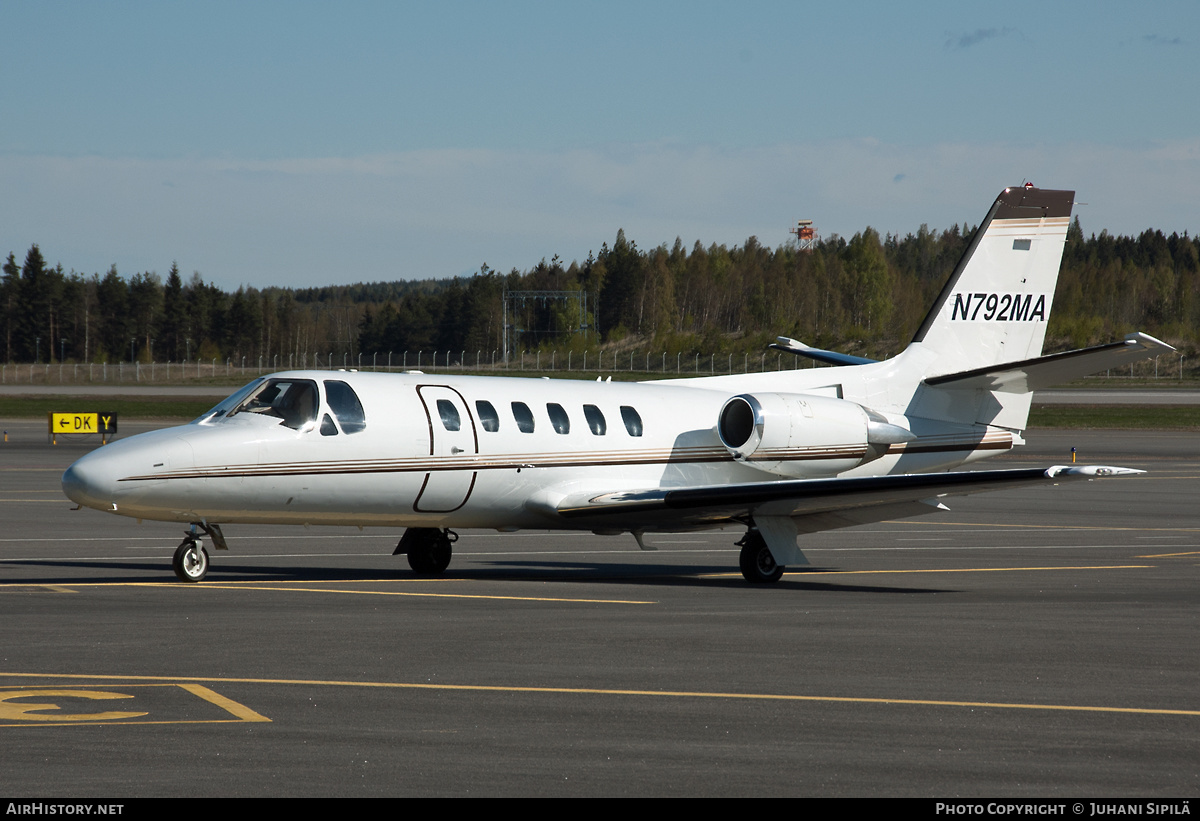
{"points": [[312, 143]]}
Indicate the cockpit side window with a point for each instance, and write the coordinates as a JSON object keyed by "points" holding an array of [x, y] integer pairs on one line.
{"points": [[292, 400], [343, 401]]}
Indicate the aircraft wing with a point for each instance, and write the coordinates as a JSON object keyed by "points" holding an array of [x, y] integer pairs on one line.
{"points": [[807, 505], [1046, 371]]}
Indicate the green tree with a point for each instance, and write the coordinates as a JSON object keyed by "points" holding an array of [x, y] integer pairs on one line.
{"points": [[116, 326], [8, 299], [870, 282], [145, 308], [172, 323], [623, 279]]}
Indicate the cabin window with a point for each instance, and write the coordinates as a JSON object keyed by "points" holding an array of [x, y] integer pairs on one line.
{"points": [[558, 418], [595, 420], [292, 400], [327, 426], [450, 418], [524, 417], [633, 422], [343, 401], [487, 416]]}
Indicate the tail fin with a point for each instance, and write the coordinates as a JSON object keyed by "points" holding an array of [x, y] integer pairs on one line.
{"points": [[995, 306]]}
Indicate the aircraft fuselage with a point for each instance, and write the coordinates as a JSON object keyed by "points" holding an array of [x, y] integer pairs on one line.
{"points": [[440, 451]]}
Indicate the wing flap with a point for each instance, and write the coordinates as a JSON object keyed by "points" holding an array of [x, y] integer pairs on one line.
{"points": [[851, 501]]}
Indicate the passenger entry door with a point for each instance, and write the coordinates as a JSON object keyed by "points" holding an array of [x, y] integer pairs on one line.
{"points": [[453, 444]]}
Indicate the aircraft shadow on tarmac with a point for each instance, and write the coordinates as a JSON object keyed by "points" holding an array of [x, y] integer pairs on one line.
{"points": [[162, 573], [721, 575], [565, 572]]}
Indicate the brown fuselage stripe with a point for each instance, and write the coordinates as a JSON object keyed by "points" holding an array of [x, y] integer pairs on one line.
{"points": [[697, 455]]}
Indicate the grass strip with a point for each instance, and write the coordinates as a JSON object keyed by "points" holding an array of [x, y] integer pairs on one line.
{"points": [[1121, 417], [142, 407]]}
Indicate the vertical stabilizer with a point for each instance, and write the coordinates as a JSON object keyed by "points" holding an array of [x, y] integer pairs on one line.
{"points": [[995, 306]]}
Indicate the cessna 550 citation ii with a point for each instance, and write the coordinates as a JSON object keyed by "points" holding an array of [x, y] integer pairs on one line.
{"points": [[779, 454]]}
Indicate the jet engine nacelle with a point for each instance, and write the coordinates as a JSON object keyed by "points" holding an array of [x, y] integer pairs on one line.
{"points": [[802, 435]]}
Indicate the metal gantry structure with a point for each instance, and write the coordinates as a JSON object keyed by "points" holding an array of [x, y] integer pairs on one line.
{"points": [[806, 235], [521, 297]]}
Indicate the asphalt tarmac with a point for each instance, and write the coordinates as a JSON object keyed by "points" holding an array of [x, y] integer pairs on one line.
{"points": [[1032, 643]]}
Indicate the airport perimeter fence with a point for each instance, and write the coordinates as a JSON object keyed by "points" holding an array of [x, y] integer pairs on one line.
{"points": [[621, 363]]}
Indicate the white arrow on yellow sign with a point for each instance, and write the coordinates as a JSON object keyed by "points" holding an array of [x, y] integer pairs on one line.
{"points": [[75, 422]]}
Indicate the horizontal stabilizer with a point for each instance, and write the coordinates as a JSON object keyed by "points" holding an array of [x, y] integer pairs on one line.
{"points": [[783, 343], [893, 495], [1046, 371]]}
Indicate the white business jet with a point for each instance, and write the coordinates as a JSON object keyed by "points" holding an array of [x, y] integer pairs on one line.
{"points": [[778, 454]]}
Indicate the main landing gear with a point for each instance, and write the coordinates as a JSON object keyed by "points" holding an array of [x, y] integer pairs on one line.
{"points": [[428, 549], [756, 561], [190, 561]]}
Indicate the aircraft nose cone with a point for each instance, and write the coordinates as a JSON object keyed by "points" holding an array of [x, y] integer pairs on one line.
{"points": [[83, 486]]}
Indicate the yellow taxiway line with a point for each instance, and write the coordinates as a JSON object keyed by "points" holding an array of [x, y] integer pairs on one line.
{"points": [[806, 573], [494, 688], [75, 586]]}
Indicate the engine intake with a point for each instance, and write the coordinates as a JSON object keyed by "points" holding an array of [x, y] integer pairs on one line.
{"points": [[802, 435]]}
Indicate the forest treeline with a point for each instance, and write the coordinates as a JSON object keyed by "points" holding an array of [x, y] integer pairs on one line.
{"points": [[864, 295]]}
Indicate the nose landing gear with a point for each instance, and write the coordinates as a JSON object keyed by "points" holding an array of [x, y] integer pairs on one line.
{"points": [[190, 561]]}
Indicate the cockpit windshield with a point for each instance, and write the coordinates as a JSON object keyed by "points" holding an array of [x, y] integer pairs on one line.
{"points": [[225, 405], [294, 401]]}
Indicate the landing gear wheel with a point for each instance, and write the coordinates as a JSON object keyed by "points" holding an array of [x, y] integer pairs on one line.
{"points": [[430, 550], [190, 562], [757, 563]]}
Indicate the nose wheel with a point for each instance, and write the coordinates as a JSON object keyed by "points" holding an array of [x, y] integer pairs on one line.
{"points": [[190, 562]]}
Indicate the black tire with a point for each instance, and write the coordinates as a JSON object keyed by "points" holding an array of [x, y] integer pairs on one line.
{"points": [[431, 557], [190, 562], [757, 563]]}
